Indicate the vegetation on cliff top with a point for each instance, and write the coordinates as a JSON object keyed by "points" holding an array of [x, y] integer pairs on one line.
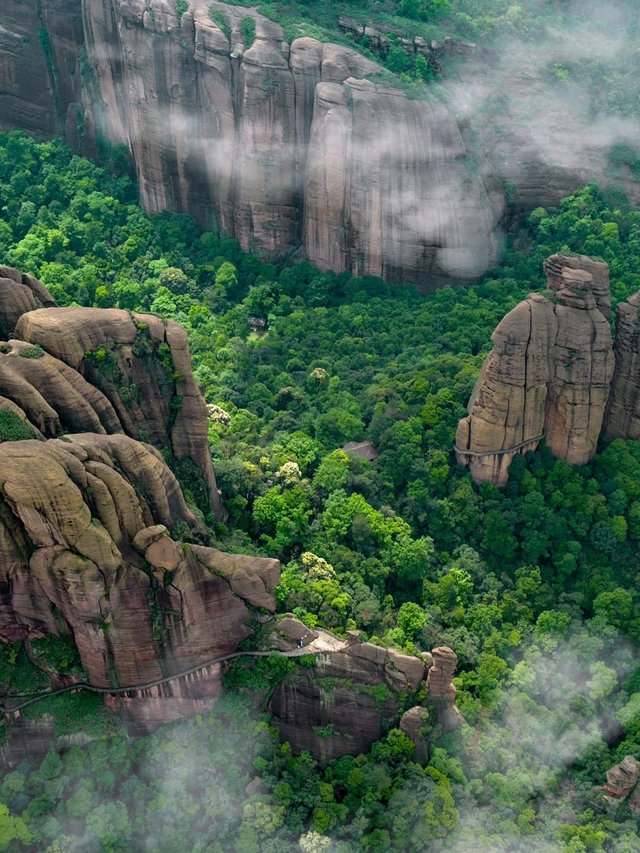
{"points": [[535, 587], [598, 74]]}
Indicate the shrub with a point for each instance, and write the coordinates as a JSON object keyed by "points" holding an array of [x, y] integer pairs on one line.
{"points": [[31, 352], [220, 21], [14, 428], [248, 31]]}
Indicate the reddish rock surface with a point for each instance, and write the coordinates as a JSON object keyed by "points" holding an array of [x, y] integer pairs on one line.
{"points": [[622, 788], [349, 698], [19, 293], [88, 552], [86, 516], [623, 410], [549, 375], [134, 371]]}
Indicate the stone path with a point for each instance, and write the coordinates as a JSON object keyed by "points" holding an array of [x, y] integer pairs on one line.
{"points": [[324, 642]]}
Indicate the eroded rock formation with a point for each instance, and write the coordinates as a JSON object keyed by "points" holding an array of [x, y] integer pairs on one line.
{"points": [[88, 505], [85, 549], [622, 787], [349, 698], [623, 411], [19, 293], [285, 146], [548, 375], [134, 372]]}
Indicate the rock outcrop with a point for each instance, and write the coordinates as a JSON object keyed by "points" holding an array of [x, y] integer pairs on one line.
{"points": [[285, 146], [622, 787], [381, 41], [349, 698], [85, 550], [623, 410], [134, 372], [548, 376], [19, 293], [92, 404]]}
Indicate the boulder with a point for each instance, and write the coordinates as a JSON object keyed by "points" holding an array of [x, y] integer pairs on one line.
{"points": [[290, 634], [415, 723], [623, 777], [19, 293]]}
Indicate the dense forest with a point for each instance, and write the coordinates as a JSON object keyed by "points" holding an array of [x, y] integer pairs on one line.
{"points": [[535, 587]]}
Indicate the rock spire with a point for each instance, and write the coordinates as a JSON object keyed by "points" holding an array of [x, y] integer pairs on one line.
{"points": [[548, 376]]}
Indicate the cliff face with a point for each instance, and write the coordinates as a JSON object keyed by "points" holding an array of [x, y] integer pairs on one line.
{"points": [[87, 507], [283, 145], [111, 371], [348, 699], [88, 553], [623, 411], [548, 375]]}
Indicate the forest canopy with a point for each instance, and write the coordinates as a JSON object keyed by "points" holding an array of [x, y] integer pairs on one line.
{"points": [[535, 587]]}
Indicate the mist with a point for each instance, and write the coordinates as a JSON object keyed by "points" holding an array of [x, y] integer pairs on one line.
{"points": [[539, 100]]}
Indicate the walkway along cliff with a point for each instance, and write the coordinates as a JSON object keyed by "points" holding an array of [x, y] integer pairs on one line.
{"points": [[555, 373]]}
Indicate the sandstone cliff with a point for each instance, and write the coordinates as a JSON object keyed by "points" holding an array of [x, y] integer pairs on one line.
{"points": [[108, 371], [88, 553], [349, 698], [285, 146], [86, 516], [548, 375], [623, 411]]}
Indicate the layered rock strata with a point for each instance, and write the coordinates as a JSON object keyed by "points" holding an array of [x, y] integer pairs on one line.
{"points": [[548, 376], [19, 293], [87, 552], [88, 399], [349, 698], [622, 788], [134, 371]]}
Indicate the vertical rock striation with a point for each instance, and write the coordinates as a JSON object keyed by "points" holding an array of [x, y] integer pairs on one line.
{"points": [[88, 553], [139, 368], [87, 516], [284, 146], [548, 375], [583, 364], [623, 411]]}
